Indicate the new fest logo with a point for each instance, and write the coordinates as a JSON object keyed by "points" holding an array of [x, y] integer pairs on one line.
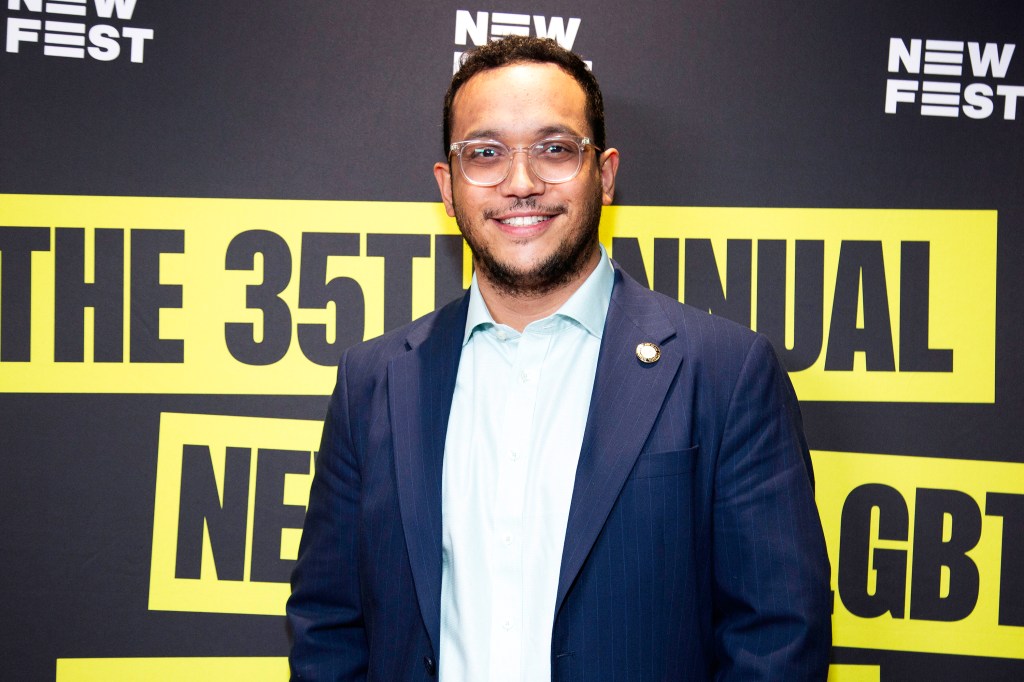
{"points": [[950, 77], [62, 28], [477, 28]]}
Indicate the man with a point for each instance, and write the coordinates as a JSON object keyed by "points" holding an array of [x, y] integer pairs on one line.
{"points": [[563, 475]]}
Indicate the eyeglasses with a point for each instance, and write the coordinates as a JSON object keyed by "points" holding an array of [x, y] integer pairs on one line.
{"points": [[486, 163]]}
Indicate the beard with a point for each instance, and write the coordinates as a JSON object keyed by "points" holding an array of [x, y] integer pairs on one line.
{"points": [[555, 270]]}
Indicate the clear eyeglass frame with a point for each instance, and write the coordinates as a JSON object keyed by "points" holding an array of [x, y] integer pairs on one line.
{"points": [[553, 170]]}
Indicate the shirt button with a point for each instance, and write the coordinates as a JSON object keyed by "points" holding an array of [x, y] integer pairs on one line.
{"points": [[507, 624], [502, 335], [507, 539], [524, 377], [514, 455]]}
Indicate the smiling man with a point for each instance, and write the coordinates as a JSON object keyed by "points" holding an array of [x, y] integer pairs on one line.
{"points": [[530, 216], [563, 475]]}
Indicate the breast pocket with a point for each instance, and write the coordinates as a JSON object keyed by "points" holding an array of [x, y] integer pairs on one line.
{"points": [[665, 463]]}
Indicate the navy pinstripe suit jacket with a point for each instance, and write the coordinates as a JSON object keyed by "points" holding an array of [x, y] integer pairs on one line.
{"points": [[693, 549]]}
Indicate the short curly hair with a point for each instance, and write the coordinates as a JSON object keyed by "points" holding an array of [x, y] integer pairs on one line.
{"points": [[517, 49]]}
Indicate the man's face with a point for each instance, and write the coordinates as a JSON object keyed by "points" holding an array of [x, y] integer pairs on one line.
{"points": [[528, 237]]}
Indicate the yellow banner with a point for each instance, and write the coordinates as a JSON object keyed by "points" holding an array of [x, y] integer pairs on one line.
{"points": [[207, 669], [925, 552], [231, 496], [261, 669], [248, 296]]}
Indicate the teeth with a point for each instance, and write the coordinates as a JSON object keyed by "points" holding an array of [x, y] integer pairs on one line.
{"points": [[525, 221]]}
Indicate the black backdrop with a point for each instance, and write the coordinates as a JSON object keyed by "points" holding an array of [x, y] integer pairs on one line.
{"points": [[711, 104]]}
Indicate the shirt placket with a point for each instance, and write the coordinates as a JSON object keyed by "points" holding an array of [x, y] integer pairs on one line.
{"points": [[515, 449]]}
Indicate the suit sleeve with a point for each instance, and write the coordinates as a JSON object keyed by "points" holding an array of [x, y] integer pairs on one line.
{"points": [[325, 617], [772, 598]]}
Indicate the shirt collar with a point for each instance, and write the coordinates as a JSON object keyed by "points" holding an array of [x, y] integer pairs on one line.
{"points": [[588, 305]]}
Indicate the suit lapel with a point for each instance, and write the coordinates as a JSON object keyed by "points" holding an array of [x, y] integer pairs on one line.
{"points": [[627, 398], [420, 387]]}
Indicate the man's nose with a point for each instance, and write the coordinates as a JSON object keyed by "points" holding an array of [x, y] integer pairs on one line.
{"points": [[521, 180]]}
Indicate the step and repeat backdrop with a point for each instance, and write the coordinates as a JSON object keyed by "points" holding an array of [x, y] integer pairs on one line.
{"points": [[203, 204]]}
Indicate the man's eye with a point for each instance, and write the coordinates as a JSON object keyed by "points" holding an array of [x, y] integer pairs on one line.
{"points": [[554, 150], [482, 154]]}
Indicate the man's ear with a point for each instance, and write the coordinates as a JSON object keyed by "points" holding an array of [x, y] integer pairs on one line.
{"points": [[609, 161], [443, 175]]}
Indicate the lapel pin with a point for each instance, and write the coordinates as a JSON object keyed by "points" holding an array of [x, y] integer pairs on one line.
{"points": [[648, 352]]}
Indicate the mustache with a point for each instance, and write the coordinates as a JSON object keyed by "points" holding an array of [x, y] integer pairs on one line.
{"points": [[524, 205]]}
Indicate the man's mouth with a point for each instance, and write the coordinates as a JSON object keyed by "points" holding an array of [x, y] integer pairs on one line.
{"points": [[524, 220]]}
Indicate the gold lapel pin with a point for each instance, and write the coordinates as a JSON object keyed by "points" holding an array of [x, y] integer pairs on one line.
{"points": [[648, 352]]}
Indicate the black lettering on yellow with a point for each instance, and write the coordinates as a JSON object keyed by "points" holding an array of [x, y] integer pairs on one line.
{"points": [[16, 247], [915, 355], [271, 515], [240, 337], [933, 510], [148, 296], [1011, 586], [447, 268], [105, 295], [666, 266], [808, 313], [397, 250], [860, 285], [703, 283], [856, 558], [316, 293], [200, 505], [860, 276], [626, 252]]}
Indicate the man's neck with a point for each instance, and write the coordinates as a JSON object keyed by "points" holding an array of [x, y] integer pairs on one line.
{"points": [[517, 311]]}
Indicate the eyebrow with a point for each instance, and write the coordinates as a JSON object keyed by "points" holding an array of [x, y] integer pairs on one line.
{"points": [[492, 133]]}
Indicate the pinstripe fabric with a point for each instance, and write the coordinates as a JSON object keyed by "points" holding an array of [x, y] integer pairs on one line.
{"points": [[354, 613], [693, 549]]}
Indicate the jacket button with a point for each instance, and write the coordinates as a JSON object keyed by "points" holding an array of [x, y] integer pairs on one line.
{"points": [[430, 665]]}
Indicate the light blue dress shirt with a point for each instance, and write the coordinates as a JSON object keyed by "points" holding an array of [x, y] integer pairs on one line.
{"points": [[514, 435]]}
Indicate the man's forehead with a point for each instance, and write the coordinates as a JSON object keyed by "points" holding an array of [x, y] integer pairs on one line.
{"points": [[537, 133], [523, 98]]}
